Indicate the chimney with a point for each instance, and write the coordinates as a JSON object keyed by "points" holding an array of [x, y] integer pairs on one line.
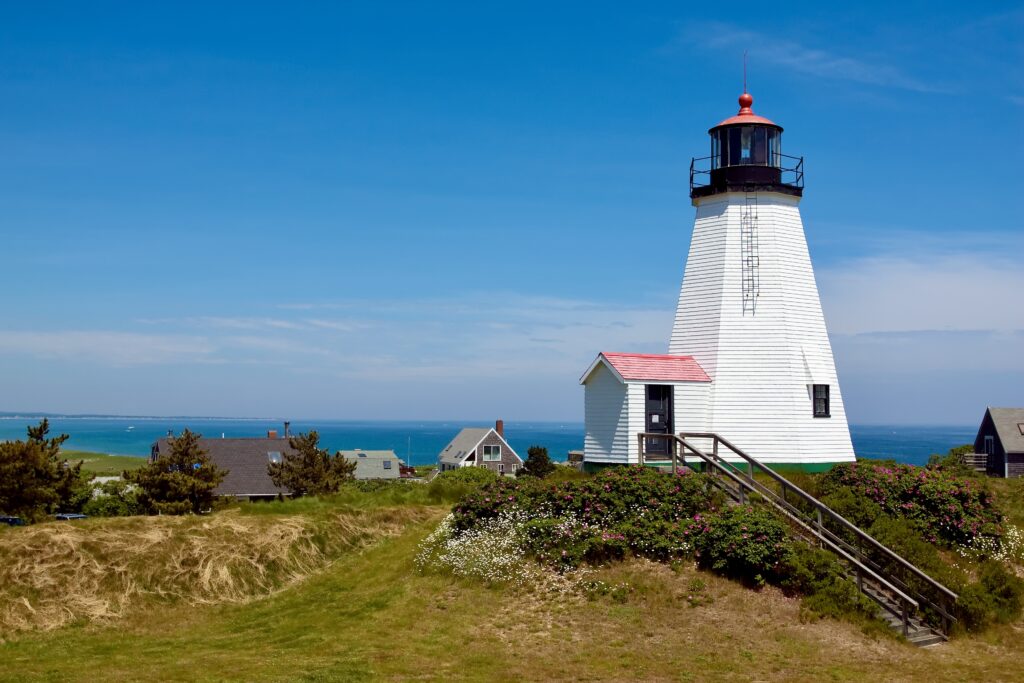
{"points": [[287, 429], [499, 426], [271, 433]]}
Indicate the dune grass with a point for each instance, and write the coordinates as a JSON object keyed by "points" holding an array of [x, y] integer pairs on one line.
{"points": [[371, 616]]}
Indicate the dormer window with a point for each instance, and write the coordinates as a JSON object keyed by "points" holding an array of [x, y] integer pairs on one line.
{"points": [[274, 456]]}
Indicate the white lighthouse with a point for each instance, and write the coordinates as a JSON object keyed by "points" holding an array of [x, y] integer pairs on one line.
{"points": [[748, 315]]}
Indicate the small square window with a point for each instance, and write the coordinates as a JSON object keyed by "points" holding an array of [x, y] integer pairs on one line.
{"points": [[492, 453], [387, 464], [1020, 428], [274, 456], [821, 403]]}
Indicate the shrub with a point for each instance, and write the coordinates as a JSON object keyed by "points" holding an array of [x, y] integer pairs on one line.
{"points": [[115, 498], [746, 543], [537, 464], [942, 506], [820, 578], [995, 597]]}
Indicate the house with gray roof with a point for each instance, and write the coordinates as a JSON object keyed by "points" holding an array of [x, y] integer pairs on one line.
{"points": [[246, 460], [1001, 439], [480, 447], [375, 464]]}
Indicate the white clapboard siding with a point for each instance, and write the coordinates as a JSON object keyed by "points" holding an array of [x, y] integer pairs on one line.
{"points": [[761, 364], [607, 429]]}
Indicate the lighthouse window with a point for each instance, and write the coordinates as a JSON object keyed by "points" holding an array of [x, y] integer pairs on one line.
{"points": [[821, 407]]}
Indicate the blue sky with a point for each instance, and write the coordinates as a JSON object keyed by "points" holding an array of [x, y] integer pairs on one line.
{"points": [[444, 210]]}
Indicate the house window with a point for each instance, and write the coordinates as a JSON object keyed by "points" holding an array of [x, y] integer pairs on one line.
{"points": [[274, 456], [492, 453], [990, 445], [387, 464], [821, 408], [501, 467]]}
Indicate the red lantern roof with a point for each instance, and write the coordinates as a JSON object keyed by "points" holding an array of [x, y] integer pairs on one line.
{"points": [[746, 115]]}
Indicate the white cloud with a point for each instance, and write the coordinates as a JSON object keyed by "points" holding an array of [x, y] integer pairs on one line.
{"points": [[769, 49], [933, 291], [108, 347]]}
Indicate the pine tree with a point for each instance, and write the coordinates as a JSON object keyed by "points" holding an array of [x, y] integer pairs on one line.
{"points": [[537, 464], [180, 481], [309, 469], [35, 480]]}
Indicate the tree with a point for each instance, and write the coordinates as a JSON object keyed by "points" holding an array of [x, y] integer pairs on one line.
{"points": [[537, 464], [35, 480], [180, 481], [309, 469]]}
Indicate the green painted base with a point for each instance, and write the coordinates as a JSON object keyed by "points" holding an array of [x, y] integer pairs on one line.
{"points": [[780, 467]]}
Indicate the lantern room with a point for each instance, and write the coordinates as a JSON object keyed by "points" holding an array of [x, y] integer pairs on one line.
{"points": [[746, 156]]}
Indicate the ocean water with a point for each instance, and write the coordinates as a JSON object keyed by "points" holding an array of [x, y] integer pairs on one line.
{"points": [[420, 442]]}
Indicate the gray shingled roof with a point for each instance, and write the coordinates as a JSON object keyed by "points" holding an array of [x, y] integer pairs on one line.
{"points": [[246, 462], [1009, 424], [463, 444]]}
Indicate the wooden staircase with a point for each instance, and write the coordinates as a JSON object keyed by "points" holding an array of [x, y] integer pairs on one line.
{"points": [[911, 602]]}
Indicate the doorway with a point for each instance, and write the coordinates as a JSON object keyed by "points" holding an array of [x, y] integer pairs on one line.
{"points": [[659, 418]]}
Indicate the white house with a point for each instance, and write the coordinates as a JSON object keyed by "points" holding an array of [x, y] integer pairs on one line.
{"points": [[480, 447], [748, 316]]}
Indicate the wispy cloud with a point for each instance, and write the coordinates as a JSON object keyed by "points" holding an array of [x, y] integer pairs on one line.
{"points": [[801, 58], [108, 347]]}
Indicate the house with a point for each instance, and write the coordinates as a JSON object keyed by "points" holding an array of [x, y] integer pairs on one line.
{"points": [[480, 447], [246, 460], [375, 464], [1001, 439]]}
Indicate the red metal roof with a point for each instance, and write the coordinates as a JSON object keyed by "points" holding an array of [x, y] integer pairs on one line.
{"points": [[656, 367], [746, 115]]}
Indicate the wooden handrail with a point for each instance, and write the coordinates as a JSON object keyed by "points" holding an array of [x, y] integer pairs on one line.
{"points": [[745, 481], [846, 524]]}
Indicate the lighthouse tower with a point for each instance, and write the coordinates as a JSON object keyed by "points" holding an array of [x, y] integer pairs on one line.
{"points": [[749, 311]]}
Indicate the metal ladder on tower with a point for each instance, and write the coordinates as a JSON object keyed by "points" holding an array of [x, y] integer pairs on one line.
{"points": [[749, 254]]}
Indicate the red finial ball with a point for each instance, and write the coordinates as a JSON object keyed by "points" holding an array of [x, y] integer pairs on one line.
{"points": [[746, 100]]}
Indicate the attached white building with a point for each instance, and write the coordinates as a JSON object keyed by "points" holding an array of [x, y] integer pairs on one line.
{"points": [[629, 393], [748, 316]]}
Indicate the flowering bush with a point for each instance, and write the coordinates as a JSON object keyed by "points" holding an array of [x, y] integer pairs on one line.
{"points": [[747, 543], [944, 507]]}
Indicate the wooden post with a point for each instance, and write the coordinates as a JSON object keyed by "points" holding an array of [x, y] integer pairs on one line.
{"points": [[820, 534], [675, 447], [714, 456], [640, 449], [906, 622]]}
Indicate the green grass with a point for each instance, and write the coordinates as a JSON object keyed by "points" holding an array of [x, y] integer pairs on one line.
{"points": [[371, 616], [104, 465]]}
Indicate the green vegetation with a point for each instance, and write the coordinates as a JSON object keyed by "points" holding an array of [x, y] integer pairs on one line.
{"points": [[538, 463], [309, 469], [102, 464], [115, 498], [35, 480], [180, 481], [595, 607], [371, 616]]}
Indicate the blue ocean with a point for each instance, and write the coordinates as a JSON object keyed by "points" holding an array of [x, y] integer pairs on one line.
{"points": [[419, 442]]}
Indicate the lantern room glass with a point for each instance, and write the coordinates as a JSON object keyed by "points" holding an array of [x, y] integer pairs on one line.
{"points": [[746, 146]]}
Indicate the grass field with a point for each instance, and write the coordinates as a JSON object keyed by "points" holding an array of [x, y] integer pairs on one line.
{"points": [[104, 465], [370, 616]]}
